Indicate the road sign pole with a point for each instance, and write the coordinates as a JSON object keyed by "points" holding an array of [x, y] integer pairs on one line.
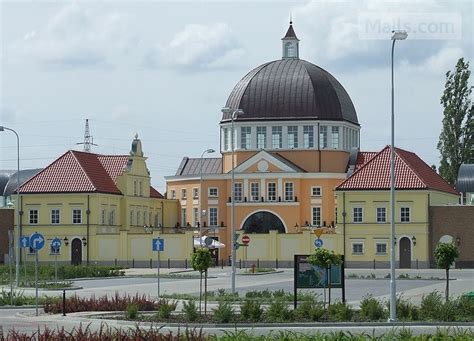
{"points": [[55, 268], [158, 273], [24, 265], [10, 256], [36, 280]]}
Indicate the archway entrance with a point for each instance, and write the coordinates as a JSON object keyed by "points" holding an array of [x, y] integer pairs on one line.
{"points": [[76, 251], [405, 253], [263, 222]]}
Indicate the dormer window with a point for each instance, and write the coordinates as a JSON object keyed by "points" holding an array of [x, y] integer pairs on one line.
{"points": [[290, 50]]}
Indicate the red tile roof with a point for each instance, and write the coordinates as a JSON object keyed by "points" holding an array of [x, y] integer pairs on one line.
{"points": [[411, 172], [363, 158], [155, 194], [77, 171]]}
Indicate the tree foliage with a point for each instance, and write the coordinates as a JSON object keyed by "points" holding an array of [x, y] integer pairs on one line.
{"points": [[201, 259], [445, 255], [324, 258], [456, 141]]}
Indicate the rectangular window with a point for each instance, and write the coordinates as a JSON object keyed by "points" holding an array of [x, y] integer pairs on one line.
{"points": [[276, 137], [112, 217], [76, 216], [335, 137], [261, 137], [254, 191], [195, 216], [308, 137], [316, 216], [381, 215], [357, 248], [316, 191], [139, 217], [213, 192], [292, 137], [183, 217], [271, 191], [135, 188], [237, 191], [323, 137], [226, 139], [55, 216], [173, 194], [245, 134], [212, 216], [33, 213], [405, 214], [145, 216], [183, 193], [381, 248], [132, 214], [357, 215], [195, 193], [335, 215], [289, 191]]}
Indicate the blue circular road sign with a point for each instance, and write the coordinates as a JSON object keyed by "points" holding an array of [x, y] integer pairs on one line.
{"points": [[56, 243], [37, 241], [318, 242]]}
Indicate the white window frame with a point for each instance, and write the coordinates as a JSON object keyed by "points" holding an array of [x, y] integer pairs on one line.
{"points": [[289, 191], [238, 191], [292, 137], [195, 216], [195, 193], [274, 190], [184, 193], [357, 244], [377, 244], [173, 194], [112, 216], [308, 137], [277, 137], [103, 216], [245, 137], [354, 220], [316, 217], [323, 137], [212, 189], [213, 211], [335, 137], [183, 216], [74, 216], [33, 217], [315, 190], [261, 137], [52, 216], [405, 217], [132, 217], [380, 221]]}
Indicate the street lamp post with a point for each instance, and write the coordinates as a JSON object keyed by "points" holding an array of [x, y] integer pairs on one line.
{"points": [[201, 193], [233, 116], [18, 208], [396, 35]]}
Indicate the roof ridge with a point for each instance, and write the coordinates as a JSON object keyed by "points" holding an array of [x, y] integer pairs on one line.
{"points": [[82, 168]]}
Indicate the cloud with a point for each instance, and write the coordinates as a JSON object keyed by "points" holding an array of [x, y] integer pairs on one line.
{"points": [[211, 46], [351, 34], [9, 114], [77, 37]]}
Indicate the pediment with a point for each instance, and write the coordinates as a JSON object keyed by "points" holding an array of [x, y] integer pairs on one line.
{"points": [[265, 162]]}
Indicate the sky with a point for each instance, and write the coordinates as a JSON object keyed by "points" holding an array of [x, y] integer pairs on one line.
{"points": [[164, 69]]}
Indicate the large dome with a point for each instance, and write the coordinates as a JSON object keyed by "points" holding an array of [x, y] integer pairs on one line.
{"points": [[290, 89]]}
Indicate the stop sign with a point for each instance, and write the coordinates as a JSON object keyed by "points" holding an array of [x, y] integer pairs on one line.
{"points": [[245, 239]]}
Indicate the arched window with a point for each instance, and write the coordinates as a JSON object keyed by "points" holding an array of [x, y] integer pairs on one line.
{"points": [[290, 50], [263, 222]]}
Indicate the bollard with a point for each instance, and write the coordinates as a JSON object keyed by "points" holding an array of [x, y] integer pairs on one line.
{"points": [[64, 302], [115, 261], [186, 263], [276, 263], [253, 268], [222, 263], [374, 263], [258, 262], [417, 263], [133, 263], [151, 263], [240, 263], [168, 263]]}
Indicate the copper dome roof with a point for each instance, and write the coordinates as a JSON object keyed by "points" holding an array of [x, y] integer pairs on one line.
{"points": [[290, 89]]}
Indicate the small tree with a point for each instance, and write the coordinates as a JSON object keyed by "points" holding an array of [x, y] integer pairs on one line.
{"points": [[201, 260], [445, 255], [325, 258]]}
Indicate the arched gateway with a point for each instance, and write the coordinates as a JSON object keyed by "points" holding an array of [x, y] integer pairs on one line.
{"points": [[263, 222]]}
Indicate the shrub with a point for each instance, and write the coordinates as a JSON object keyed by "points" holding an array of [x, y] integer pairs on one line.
{"points": [[371, 309], [465, 310], [165, 309], [132, 311], [431, 305], [278, 311], [190, 310], [308, 310], [251, 310], [406, 311], [224, 312], [340, 311]]}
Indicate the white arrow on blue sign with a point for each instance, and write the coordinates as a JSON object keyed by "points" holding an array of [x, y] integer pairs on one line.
{"points": [[318, 242], [56, 243], [158, 244], [24, 241], [37, 241]]}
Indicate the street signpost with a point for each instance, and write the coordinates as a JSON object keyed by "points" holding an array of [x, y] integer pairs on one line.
{"points": [[36, 243], [56, 246], [318, 242], [10, 261], [24, 244], [245, 239], [158, 245]]}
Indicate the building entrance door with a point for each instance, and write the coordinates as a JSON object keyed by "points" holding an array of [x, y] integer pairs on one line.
{"points": [[76, 251], [405, 253]]}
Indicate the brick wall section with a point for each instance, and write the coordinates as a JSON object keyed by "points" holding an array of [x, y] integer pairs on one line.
{"points": [[456, 221], [6, 223]]}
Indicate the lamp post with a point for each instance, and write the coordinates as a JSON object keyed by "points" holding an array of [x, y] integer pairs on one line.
{"points": [[233, 116], [200, 193], [18, 208], [396, 35]]}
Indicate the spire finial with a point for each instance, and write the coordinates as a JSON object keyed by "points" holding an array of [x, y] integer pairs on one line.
{"points": [[136, 136], [291, 19]]}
